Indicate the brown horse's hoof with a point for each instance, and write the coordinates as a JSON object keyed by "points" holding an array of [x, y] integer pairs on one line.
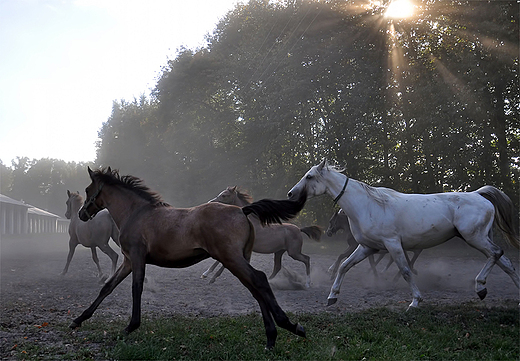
{"points": [[74, 325], [300, 331], [131, 328], [331, 301], [482, 293]]}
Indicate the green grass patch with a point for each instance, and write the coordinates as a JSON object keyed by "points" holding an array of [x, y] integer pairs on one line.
{"points": [[465, 332]]}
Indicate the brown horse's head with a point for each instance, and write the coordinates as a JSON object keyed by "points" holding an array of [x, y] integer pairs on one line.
{"points": [[93, 204], [231, 195], [335, 223]]}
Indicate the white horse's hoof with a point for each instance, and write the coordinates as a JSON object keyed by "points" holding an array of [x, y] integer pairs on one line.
{"points": [[482, 293], [414, 304], [331, 301]]}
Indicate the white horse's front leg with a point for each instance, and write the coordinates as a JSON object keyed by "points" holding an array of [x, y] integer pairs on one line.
{"points": [[333, 269], [357, 256], [401, 260]]}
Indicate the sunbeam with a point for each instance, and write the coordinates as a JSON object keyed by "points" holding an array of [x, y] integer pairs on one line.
{"points": [[399, 9]]}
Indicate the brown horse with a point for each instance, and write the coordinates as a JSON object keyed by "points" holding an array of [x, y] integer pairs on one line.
{"points": [[339, 221], [153, 232], [91, 234], [277, 238]]}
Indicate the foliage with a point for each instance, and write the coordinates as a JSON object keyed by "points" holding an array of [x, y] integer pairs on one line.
{"points": [[282, 85], [425, 104], [43, 183]]}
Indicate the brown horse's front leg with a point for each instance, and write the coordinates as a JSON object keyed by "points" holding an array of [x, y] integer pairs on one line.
{"points": [[123, 271], [138, 267], [277, 263]]}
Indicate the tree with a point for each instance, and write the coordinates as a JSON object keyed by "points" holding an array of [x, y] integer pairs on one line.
{"points": [[282, 85]]}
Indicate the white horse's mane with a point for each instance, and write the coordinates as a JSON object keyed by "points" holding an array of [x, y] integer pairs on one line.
{"points": [[378, 194], [335, 167]]}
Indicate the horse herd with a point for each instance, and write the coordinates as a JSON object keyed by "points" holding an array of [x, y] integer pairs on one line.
{"points": [[230, 227]]}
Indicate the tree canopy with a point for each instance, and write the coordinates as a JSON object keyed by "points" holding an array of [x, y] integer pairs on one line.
{"points": [[424, 104]]}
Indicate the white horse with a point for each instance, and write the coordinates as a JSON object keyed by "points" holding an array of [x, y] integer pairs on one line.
{"points": [[384, 219]]}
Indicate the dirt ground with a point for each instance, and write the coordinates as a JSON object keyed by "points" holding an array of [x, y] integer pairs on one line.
{"points": [[33, 294]]}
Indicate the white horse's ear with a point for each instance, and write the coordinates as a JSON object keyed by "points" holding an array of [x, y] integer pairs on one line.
{"points": [[322, 164], [233, 189], [68, 193]]}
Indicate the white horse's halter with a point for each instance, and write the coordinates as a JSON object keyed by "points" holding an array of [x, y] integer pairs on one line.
{"points": [[341, 193]]}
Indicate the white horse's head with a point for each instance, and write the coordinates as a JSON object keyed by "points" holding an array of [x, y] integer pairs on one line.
{"points": [[312, 183]]}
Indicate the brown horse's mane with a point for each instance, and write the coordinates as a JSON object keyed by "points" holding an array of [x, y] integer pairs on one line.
{"points": [[244, 196], [134, 184]]}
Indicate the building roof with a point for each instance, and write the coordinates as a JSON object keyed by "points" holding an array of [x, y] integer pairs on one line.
{"points": [[6, 199], [30, 209], [41, 212]]}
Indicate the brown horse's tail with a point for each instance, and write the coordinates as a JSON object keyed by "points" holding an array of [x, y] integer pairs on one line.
{"points": [[504, 213], [313, 232], [275, 211]]}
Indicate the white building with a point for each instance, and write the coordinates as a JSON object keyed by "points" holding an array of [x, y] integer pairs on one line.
{"points": [[19, 218]]}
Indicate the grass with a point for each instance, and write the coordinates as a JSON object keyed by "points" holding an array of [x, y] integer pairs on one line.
{"points": [[465, 332]]}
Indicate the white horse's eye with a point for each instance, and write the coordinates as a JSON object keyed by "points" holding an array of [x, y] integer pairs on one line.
{"points": [[308, 176]]}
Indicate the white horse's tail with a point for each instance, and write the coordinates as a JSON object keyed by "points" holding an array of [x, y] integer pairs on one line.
{"points": [[504, 213]]}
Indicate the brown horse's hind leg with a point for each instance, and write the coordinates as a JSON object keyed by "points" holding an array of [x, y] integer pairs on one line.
{"points": [[279, 315], [217, 274], [256, 282], [122, 272], [306, 260], [277, 263]]}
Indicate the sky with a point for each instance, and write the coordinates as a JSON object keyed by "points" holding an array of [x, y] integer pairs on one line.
{"points": [[64, 62]]}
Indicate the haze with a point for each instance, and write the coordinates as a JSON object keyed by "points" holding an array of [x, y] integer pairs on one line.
{"points": [[64, 62]]}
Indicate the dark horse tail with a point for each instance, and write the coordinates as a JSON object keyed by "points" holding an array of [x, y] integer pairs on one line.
{"points": [[504, 213], [313, 232], [275, 211]]}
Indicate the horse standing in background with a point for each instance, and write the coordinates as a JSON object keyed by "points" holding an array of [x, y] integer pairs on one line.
{"points": [[277, 238], [339, 221], [153, 232], [94, 233], [382, 219]]}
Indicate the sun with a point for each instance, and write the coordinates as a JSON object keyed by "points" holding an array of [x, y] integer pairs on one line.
{"points": [[399, 9]]}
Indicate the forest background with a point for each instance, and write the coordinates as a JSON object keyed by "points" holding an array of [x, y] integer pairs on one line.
{"points": [[424, 104]]}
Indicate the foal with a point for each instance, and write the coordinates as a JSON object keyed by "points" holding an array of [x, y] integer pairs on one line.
{"points": [[277, 239], [153, 232]]}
